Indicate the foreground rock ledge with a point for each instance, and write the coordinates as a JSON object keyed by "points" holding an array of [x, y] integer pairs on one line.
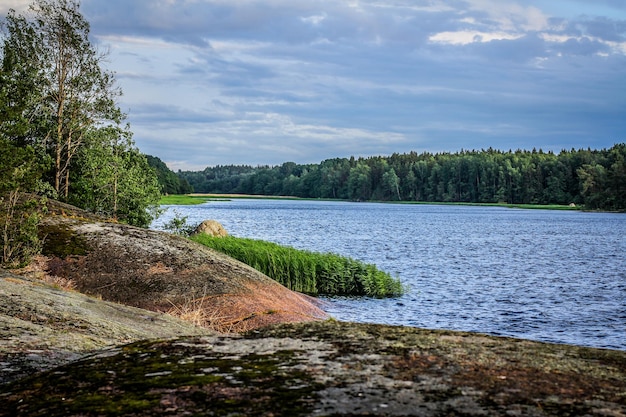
{"points": [[330, 369]]}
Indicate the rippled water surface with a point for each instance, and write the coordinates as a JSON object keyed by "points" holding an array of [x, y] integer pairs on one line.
{"points": [[537, 274]]}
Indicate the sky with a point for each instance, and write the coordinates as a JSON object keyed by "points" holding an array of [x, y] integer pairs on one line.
{"points": [[263, 82]]}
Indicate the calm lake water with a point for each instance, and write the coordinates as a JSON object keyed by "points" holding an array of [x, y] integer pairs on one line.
{"points": [[556, 276]]}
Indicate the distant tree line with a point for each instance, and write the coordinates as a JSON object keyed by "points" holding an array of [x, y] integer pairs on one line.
{"points": [[595, 178], [169, 182]]}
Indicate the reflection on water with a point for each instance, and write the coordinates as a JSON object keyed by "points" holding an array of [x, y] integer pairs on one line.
{"points": [[544, 275]]}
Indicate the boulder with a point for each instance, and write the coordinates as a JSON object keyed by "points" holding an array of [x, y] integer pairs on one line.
{"points": [[211, 228], [162, 272]]}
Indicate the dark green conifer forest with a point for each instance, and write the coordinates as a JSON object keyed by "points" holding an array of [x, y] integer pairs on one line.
{"points": [[169, 182], [593, 178]]}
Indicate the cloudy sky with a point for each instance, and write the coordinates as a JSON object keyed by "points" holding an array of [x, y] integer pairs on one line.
{"points": [[215, 82]]}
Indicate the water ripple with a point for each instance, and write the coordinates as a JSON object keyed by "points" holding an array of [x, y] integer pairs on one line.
{"points": [[543, 275]]}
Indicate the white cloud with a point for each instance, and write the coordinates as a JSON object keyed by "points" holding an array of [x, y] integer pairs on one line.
{"points": [[511, 15], [615, 47], [139, 41], [465, 37], [17, 5], [315, 20], [265, 81]]}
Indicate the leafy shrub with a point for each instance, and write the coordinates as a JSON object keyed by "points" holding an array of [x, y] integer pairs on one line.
{"points": [[178, 225], [20, 213], [19, 222]]}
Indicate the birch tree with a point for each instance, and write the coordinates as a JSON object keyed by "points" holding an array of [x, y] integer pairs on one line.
{"points": [[75, 93], [58, 98]]}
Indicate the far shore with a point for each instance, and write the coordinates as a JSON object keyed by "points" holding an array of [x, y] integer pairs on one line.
{"points": [[263, 197], [199, 198]]}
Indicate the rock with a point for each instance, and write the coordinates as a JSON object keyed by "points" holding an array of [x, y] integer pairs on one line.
{"points": [[140, 274], [330, 368], [310, 368], [42, 325], [211, 228], [162, 272]]}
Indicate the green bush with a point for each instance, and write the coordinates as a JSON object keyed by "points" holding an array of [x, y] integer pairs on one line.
{"points": [[178, 225], [305, 271], [20, 212], [19, 220]]}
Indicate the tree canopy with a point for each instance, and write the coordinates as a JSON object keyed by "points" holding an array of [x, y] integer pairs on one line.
{"points": [[61, 131], [595, 178], [169, 182], [58, 100]]}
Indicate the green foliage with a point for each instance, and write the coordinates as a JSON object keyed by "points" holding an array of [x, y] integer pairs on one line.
{"points": [[19, 221], [594, 178], [114, 179], [138, 192], [307, 272], [178, 225], [170, 182], [19, 213], [603, 181], [19, 80], [57, 100], [67, 92]]}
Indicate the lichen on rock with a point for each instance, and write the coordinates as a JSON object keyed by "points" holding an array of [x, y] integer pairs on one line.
{"points": [[331, 368], [43, 325], [167, 273]]}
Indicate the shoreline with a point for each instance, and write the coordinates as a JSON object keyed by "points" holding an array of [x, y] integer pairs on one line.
{"points": [[226, 197]]}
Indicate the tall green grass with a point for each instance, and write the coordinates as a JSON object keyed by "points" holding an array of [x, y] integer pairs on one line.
{"points": [[308, 272], [182, 200]]}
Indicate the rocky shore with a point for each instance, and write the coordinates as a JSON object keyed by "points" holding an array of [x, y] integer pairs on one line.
{"points": [[330, 369], [43, 326], [162, 272], [83, 332]]}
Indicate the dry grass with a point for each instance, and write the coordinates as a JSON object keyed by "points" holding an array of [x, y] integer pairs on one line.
{"points": [[42, 268], [60, 282], [159, 268], [194, 311], [201, 312]]}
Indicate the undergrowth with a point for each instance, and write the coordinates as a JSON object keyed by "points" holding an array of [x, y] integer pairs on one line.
{"points": [[307, 272]]}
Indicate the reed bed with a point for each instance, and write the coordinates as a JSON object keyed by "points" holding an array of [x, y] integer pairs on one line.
{"points": [[307, 272]]}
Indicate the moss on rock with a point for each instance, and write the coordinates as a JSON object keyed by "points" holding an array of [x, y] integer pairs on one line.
{"points": [[61, 241], [330, 369]]}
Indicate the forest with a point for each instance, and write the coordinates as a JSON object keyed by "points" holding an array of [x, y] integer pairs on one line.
{"points": [[593, 178], [169, 182]]}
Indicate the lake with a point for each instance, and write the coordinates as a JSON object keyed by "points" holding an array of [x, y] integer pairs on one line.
{"points": [[555, 276]]}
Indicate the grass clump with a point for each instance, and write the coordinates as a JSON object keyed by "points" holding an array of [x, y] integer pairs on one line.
{"points": [[307, 272], [182, 200]]}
